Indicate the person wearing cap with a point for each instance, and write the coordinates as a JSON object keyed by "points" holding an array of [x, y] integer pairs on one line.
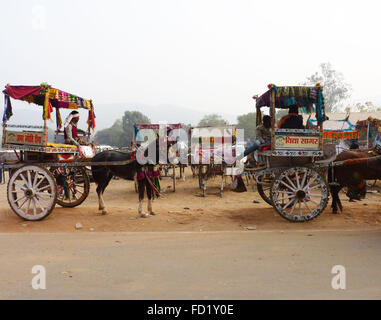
{"points": [[71, 131]]}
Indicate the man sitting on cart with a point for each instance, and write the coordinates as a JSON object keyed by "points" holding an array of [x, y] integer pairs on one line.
{"points": [[292, 120], [263, 136], [71, 131]]}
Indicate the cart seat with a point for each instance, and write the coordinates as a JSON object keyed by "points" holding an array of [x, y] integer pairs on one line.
{"points": [[265, 148], [61, 145]]}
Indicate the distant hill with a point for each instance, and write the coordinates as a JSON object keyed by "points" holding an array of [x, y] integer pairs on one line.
{"points": [[107, 114]]}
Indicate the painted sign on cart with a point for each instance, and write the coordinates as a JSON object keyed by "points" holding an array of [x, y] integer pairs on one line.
{"points": [[29, 138], [297, 140]]}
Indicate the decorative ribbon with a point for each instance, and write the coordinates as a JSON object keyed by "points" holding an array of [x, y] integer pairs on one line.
{"points": [[58, 119], [91, 118], [48, 109], [7, 108]]}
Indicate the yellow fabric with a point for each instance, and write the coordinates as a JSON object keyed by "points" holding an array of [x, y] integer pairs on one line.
{"points": [[58, 118], [88, 104], [72, 106], [61, 145], [46, 114], [53, 93]]}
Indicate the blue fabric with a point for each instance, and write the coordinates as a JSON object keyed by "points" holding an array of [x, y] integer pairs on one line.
{"points": [[369, 131], [7, 108], [256, 144], [137, 135], [313, 123], [319, 107]]}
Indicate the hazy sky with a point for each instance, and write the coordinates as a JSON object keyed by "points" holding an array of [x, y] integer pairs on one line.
{"points": [[199, 54]]}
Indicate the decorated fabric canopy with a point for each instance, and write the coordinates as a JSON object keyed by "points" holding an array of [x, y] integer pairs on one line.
{"points": [[336, 129], [48, 97], [373, 122], [308, 99], [369, 127]]}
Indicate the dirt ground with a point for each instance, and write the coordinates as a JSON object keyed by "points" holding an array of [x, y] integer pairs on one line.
{"points": [[186, 210]]}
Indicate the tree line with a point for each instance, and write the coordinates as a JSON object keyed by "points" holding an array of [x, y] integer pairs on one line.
{"points": [[336, 92]]}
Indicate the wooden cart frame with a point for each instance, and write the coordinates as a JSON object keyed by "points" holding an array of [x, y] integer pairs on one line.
{"points": [[205, 171], [45, 173], [292, 175]]}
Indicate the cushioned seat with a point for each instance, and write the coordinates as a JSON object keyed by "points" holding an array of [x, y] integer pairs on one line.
{"points": [[264, 148], [60, 145]]}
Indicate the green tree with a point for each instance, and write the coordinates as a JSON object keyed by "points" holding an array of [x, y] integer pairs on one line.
{"points": [[336, 90], [212, 120], [112, 136], [247, 122], [121, 132], [129, 119]]}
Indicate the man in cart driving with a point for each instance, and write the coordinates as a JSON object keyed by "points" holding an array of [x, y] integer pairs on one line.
{"points": [[71, 131]]}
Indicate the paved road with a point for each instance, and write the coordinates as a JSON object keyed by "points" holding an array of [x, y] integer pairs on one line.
{"points": [[204, 265]]}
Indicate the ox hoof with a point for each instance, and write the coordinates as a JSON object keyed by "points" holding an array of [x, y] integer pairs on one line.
{"points": [[104, 212], [144, 215], [152, 213]]}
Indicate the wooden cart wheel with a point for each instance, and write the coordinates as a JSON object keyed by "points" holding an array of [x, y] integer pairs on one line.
{"points": [[32, 192], [299, 194], [73, 185], [264, 189]]}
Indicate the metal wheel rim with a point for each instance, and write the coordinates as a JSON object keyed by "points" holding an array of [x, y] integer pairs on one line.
{"points": [[299, 194], [32, 192], [264, 188]]}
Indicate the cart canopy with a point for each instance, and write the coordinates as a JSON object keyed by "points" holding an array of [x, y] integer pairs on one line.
{"points": [[307, 98], [48, 97]]}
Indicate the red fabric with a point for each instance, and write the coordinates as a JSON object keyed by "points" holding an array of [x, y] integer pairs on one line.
{"points": [[141, 175], [74, 132], [91, 119], [264, 148], [19, 92]]}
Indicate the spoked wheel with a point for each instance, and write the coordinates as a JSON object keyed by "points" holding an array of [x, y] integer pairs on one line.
{"points": [[299, 194], [73, 185], [32, 192], [264, 188]]}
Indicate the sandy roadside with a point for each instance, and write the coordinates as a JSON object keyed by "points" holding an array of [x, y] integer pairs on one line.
{"points": [[186, 210]]}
